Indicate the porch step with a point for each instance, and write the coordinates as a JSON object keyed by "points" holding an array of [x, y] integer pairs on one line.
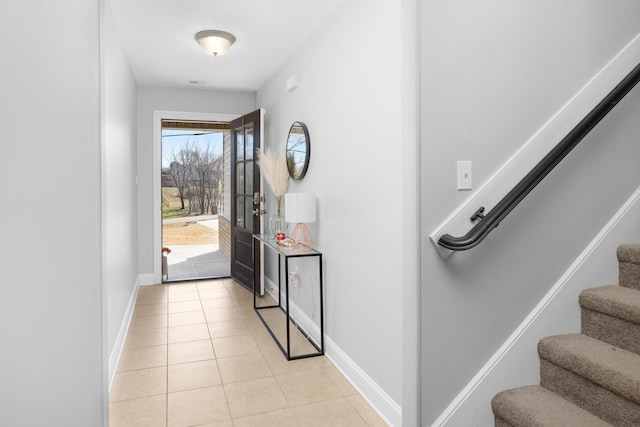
{"points": [[596, 376], [612, 314], [536, 406]]}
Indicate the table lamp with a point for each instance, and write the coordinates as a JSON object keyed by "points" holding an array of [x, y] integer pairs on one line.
{"points": [[300, 208]]}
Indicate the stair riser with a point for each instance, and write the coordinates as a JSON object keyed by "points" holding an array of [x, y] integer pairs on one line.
{"points": [[612, 330], [589, 396], [629, 275], [502, 423]]}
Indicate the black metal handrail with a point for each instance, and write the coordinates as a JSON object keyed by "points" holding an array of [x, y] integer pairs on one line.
{"points": [[484, 224]]}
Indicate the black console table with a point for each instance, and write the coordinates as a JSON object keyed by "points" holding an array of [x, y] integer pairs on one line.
{"points": [[297, 334]]}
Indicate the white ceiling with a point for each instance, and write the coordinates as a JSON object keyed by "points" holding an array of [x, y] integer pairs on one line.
{"points": [[158, 36]]}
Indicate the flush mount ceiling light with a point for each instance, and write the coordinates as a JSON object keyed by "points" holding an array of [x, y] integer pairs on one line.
{"points": [[215, 42]]}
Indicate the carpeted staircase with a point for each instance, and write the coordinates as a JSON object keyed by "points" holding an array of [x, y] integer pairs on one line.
{"points": [[592, 378]]}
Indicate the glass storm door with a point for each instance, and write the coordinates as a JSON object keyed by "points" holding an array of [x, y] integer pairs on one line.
{"points": [[246, 132]]}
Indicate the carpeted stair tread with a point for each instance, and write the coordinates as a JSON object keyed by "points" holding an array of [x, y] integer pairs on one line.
{"points": [[629, 253], [593, 378], [608, 366], [629, 266], [616, 301], [612, 314], [537, 406]]}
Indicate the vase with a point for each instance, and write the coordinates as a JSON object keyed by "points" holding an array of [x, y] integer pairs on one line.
{"points": [[275, 222]]}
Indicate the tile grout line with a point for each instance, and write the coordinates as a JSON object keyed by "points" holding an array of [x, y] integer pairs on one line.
{"points": [[289, 405], [215, 357], [263, 351], [242, 318]]}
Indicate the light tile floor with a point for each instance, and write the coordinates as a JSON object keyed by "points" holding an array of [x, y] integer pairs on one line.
{"points": [[197, 355]]}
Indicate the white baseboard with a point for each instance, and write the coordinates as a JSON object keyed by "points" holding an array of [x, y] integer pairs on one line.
{"points": [[533, 150], [270, 287], [380, 401], [299, 316], [516, 361], [118, 346], [146, 279]]}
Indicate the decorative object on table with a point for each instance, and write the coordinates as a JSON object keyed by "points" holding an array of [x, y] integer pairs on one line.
{"points": [[286, 243], [274, 171], [165, 267], [300, 209], [298, 150]]}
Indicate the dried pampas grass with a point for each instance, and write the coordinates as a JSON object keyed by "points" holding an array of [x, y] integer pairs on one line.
{"points": [[274, 170]]}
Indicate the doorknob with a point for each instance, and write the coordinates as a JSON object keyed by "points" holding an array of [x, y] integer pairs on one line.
{"points": [[257, 198], [257, 212]]}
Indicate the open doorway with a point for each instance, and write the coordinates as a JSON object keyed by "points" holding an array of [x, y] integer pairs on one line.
{"points": [[194, 198]]}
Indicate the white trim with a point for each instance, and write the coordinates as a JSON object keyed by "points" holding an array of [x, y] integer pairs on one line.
{"points": [[521, 162], [146, 279], [381, 402], [118, 346], [158, 116], [536, 316], [261, 206], [271, 288], [106, 378], [306, 323]]}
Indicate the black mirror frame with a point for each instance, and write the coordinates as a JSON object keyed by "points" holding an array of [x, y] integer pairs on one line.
{"points": [[307, 149]]}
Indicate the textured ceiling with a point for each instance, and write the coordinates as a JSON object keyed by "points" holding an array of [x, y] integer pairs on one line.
{"points": [[158, 36]]}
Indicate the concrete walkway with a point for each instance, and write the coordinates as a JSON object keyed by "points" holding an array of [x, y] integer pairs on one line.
{"points": [[197, 218], [196, 261]]}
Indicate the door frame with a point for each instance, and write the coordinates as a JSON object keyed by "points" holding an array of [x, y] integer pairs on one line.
{"points": [[158, 116]]}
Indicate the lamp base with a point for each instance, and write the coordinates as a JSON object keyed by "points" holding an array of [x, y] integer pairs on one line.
{"points": [[302, 236]]}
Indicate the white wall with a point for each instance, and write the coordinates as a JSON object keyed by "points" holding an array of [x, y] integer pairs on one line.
{"points": [[517, 363], [119, 191], [492, 75], [152, 99], [410, 141], [50, 254], [350, 95]]}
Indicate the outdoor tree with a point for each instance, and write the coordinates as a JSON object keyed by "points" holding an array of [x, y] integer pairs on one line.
{"points": [[197, 173], [206, 180], [178, 171]]}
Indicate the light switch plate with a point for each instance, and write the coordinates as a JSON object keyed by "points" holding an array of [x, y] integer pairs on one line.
{"points": [[464, 175]]}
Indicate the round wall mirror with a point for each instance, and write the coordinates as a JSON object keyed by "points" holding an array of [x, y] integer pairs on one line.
{"points": [[298, 150]]}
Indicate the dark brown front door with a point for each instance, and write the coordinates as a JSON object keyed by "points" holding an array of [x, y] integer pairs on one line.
{"points": [[245, 180]]}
